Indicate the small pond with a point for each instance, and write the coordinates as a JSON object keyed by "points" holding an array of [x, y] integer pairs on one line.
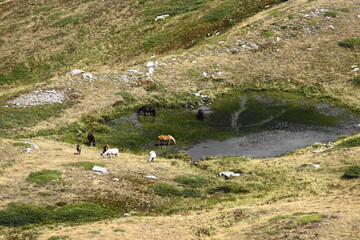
{"points": [[253, 125]]}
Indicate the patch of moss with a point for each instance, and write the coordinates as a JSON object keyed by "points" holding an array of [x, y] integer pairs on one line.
{"points": [[44, 176], [353, 43], [166, 190]]}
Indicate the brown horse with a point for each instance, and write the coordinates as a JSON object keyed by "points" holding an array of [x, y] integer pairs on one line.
{"points": [[167, 138], [106, 147]]}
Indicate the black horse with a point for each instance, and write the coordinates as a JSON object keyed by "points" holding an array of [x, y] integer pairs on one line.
{"points": [[91, 139], [146, 109], [200, 115]]}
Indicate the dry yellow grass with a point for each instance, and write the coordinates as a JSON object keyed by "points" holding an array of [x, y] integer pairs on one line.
{"points": [[246, 218]]}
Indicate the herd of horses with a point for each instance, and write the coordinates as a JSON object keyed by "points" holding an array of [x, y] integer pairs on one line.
{"points": [[167, 139]]}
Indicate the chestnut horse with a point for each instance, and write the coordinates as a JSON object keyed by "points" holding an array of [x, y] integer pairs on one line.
{"points": [[167, 138], [106, 147]]}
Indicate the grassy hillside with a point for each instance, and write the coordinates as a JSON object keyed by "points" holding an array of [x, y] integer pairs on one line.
{"points": [[213, 48]]}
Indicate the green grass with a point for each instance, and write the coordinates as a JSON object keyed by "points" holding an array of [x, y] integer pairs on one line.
{"points": [[276, 13], [352, 142], [59, 237], [44, 176], [119, 230], [310, 219], [291, 16], [192, 181], [193, 73], [126, 96], [75, 19], [166, 190], [86, 165], [356, 80], [268, 33], [331, 14], [353, 43]]}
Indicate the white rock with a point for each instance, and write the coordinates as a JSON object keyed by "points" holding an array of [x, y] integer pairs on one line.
{"points": [[356, 69], [228, 174], [76, 72], [115, 179], [316, 165], [194, 62], [162, 17], [332, 26], [99, 169], [151, 70], [150, 64], [150, 176], [87, 76]]}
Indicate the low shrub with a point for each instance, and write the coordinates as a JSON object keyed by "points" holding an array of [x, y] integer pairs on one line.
{"points": [[350, 43], [192, 181], [166, 190], [352, 172], [44, 176], [278, 218], [18, 213]]}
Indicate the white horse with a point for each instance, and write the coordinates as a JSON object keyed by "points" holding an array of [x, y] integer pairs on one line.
{"points": [[152, 156], [111, 152]]}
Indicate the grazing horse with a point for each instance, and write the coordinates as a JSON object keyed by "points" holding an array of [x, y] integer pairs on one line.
{"points": [[146, 109], [91, 139], [167, 138], [106, 147], [78, 149], [200, 115]]}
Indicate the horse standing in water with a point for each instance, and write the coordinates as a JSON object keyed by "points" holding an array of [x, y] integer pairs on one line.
{"points": [[166, 138], [200, 115], [146, 109]]}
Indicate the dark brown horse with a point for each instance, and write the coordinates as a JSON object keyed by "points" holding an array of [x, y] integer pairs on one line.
{"points": [[146, 109], [166, 138]]}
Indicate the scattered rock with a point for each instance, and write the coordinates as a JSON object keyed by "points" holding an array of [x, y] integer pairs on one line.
{"points": [[127, 214], [41, 97], [115, 179], [33, 145], [248, 45], [315, 13]]}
